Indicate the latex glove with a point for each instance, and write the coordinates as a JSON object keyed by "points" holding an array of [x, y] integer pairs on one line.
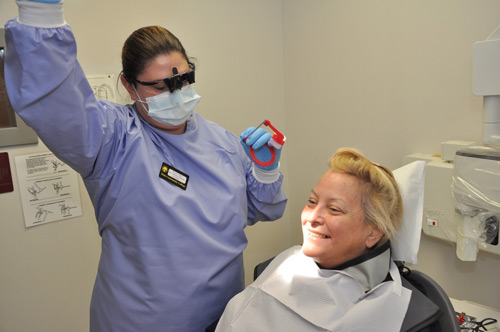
{"points": [[257, 141]]}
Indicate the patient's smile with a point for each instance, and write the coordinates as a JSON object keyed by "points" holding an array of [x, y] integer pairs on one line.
{"points": [[317, 236]]}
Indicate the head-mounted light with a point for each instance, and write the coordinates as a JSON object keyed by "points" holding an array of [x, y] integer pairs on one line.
{"points": [[174, 82]]}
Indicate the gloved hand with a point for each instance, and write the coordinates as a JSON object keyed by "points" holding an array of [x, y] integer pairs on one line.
{"points": [[48, 1], [257, 141]]}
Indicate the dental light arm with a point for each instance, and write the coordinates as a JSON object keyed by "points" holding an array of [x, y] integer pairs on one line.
{"points": [[486, 83]]}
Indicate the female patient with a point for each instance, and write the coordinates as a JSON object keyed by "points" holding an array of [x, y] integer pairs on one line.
{"points": [[342, 278]]}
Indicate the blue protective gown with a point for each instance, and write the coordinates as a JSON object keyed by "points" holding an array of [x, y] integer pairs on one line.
{"points": [[171, 258]]}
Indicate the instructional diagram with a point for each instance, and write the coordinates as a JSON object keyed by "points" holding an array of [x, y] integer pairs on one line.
{"points": [[103, 86], [49, 189]]}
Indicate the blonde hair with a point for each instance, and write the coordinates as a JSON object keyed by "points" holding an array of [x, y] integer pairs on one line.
{"points": [[381, 199]]}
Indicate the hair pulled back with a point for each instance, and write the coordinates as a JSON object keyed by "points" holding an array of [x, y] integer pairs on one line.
{"points": [[144, 45], [381, 199]]}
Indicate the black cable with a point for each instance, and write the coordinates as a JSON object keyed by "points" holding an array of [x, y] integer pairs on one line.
{"points": [[478, 326]]}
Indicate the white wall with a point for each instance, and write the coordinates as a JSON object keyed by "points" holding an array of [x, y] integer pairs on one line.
{"points": [[389, 77], [47, 272]]}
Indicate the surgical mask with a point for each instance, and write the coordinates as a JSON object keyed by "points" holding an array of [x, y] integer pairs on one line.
{"points": [[172, 108]]}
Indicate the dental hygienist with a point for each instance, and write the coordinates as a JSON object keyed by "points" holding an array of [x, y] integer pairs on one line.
{"points": [[172, 191]]}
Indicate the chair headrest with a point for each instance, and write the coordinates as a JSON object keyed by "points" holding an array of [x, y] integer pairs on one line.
{"points": [[411, 179]]}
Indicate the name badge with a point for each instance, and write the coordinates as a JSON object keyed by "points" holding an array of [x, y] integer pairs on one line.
{"points": [[174, 176]]}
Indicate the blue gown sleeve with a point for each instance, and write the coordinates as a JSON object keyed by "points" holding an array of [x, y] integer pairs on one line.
{"points": [[266, 202], [49, 91]]}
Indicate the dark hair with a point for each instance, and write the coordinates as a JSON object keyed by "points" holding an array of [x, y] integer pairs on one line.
{"points": [[145, 44]]}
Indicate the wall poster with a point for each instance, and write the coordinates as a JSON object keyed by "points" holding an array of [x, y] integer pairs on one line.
{"points": [[49, 189]]}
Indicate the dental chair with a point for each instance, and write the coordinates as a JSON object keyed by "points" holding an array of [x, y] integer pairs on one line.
{"points": [[429, 302], [445, 317]]}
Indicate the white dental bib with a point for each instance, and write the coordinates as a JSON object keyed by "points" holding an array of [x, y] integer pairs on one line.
{"points": [[294, 294]]}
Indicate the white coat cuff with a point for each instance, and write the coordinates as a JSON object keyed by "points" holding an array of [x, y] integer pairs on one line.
{"points": [[41, 14], [264, 176]]}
